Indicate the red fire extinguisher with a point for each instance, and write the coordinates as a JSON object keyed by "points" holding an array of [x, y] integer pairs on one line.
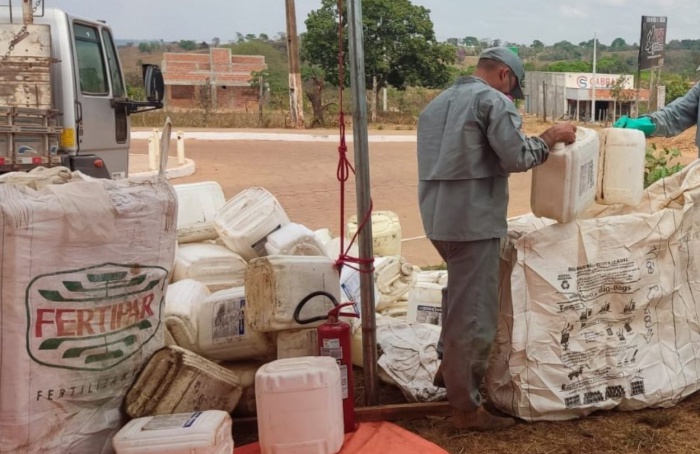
{"points": [[334, 341]]}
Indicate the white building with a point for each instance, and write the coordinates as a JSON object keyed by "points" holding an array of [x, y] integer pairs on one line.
{"points": [[570, 95]]}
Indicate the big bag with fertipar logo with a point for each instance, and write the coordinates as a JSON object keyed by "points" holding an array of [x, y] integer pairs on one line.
{"points": [[83, 274], [602, 312]]}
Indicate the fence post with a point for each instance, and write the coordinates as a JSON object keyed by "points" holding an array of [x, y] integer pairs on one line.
{"points": [[544, 101], [180, 147]]}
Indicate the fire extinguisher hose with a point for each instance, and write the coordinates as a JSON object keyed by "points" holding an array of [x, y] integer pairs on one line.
{"points": [[302, 303], [335, 312]]}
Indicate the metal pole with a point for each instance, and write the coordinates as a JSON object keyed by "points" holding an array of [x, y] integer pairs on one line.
{"points": [[296, 101], [362, 184], [27, 13], [594, 81]]}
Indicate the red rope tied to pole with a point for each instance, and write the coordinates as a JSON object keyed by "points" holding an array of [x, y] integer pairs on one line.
{"points": [[345, 168]]}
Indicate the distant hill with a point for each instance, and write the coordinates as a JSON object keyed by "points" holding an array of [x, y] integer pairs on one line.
{"points": [[124, 42]]}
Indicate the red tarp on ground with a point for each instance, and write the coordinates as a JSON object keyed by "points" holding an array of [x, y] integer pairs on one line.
{"points": [[374, 438]]}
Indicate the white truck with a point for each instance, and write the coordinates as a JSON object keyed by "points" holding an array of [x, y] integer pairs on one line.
{"points": [[63, 98]]}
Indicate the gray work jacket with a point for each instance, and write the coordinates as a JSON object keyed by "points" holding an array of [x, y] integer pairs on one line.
{"points": [[680, 115], [469, 140]]}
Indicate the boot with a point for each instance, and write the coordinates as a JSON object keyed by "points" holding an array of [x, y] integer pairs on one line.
{"points": [[438, 379], [480, 420]]}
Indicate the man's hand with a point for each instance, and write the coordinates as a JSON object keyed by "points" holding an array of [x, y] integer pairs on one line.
{"points": [[560, 132], [644, 124]]}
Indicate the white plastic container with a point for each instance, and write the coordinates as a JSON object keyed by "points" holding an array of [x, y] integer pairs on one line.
{"points": [[245, 371], [333, 248], [202, 432], [565, 185], [182, 305], [621, 166], [300, 406], [323, 235], [277, 283], [351, 292], [215, 266], [176, 380], [224, 334], [393, 277], [246, 220], [294, 239], [198, 203], [386, 232], [433, 276], [425, 303], [297, 343]]}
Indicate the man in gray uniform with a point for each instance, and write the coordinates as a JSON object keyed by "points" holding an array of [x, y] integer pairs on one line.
{"points": [[670, 121], [469, 140]]}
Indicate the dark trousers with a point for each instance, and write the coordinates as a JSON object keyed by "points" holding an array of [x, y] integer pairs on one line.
{"points": [[469, 317]]}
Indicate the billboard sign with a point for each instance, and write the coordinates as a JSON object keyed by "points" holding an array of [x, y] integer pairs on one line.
{"points": [[653, 42]]}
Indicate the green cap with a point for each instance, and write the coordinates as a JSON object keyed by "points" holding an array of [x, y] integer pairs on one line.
{"points": [[507, 57]]}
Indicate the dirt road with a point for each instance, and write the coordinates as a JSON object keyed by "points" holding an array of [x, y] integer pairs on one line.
{"points": [[302, 175]]}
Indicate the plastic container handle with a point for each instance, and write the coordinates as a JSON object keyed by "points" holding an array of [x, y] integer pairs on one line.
{"points": [[558, 146]]}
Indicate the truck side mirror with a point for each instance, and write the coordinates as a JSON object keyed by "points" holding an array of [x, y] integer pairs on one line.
{"points": [[153, 83]]}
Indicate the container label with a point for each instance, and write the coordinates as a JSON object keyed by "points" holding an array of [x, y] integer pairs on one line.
{"points": [[586, 181], [93, 318], [331, 347], [344, 379], [429, 314], [164, 422], [351, 287], [229, 321]]}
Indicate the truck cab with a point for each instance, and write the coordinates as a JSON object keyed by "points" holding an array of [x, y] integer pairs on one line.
{"points": [[65, 100]]}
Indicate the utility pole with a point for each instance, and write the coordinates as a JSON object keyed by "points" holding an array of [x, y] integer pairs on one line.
{"points": [[594, 81], [296, 100]]}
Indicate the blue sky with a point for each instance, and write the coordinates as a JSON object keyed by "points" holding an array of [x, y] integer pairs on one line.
{"points": [[520, 21]]}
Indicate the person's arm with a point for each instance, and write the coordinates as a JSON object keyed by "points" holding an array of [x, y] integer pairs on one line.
{"points": [[678, 116], [516, 151]]}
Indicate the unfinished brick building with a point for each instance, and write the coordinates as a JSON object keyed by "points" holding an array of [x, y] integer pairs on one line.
{"points": [[225, 78]]}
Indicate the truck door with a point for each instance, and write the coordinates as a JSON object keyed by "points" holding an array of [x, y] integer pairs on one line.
{"points": [[103, 129]]}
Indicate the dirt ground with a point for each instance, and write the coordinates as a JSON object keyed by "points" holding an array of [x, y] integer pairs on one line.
{"points": [[303, 178], [302, 175]]}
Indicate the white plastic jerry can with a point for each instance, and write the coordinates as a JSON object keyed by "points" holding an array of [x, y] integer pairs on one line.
{"points": [[621, 167], [565, 185]]}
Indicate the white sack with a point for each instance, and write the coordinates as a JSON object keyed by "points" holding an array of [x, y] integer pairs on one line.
{"points": [[603, 312]]}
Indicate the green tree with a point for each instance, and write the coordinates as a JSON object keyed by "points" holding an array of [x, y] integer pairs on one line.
{"points": [[277, 71], [569, 66], [470, 41], [399, 42], [676, 86], [619, 44], [187, 44]]}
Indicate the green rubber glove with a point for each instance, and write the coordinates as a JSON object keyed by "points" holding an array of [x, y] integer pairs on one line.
{"points": [[644, 124]]}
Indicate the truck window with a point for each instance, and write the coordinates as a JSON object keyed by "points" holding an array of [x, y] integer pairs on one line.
{"points": [[91, 65], [112, 59]]}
